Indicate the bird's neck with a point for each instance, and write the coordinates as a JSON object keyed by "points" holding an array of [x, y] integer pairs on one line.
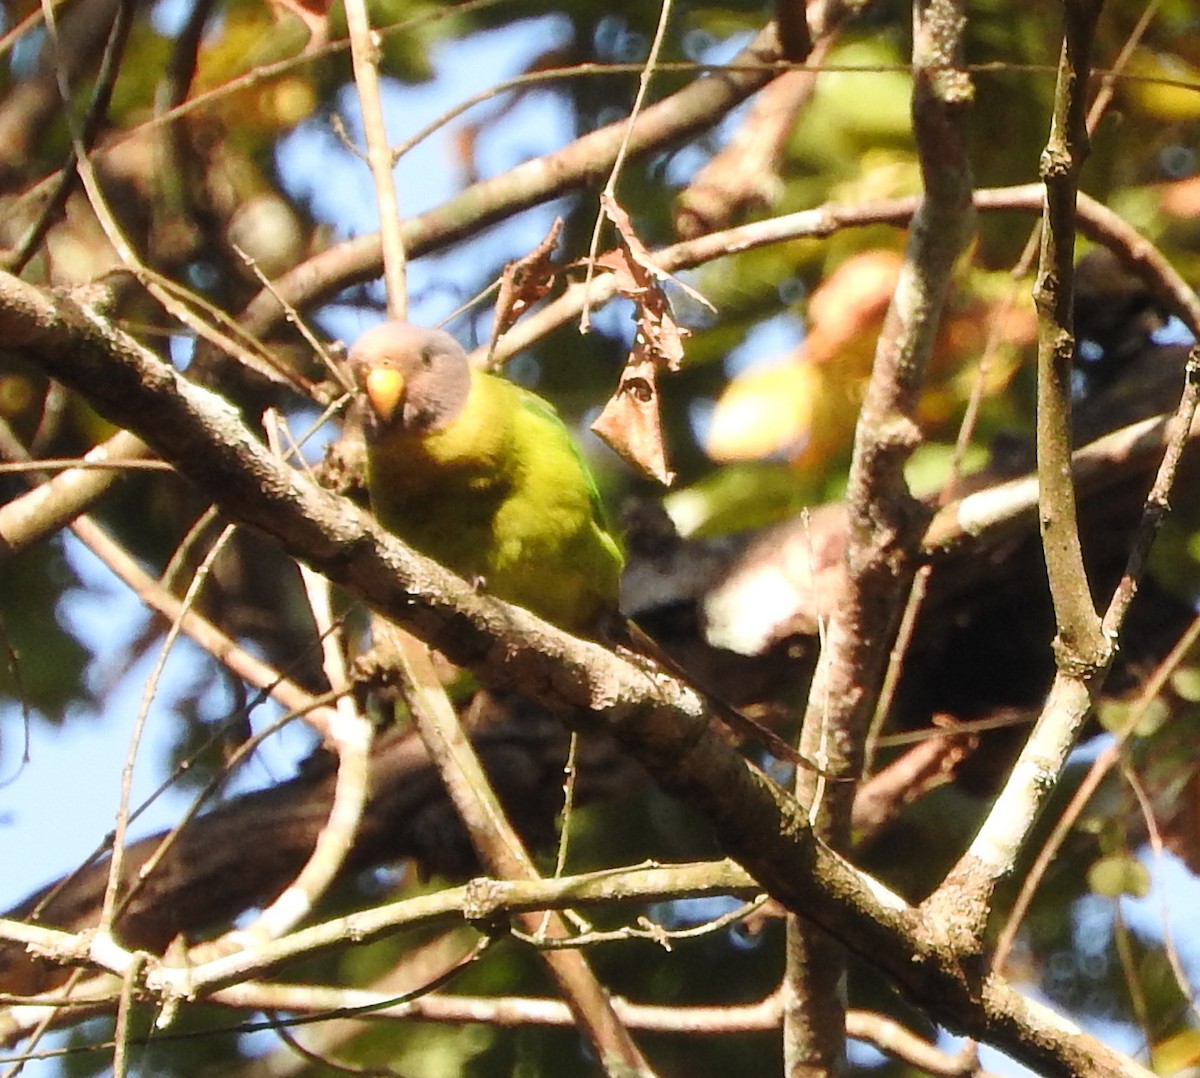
{"points": [[470, 450]]}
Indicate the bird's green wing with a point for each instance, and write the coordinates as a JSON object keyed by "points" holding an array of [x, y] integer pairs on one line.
{"points": [[545, 412]]}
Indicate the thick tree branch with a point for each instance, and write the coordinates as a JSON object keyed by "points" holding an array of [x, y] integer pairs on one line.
{"points": [[885, 521]]}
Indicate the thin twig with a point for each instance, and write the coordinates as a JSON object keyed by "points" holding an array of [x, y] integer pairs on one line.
{"points": [[122, 1035], [112, 893], [885, 1033], [364, 52], [1183, 980], [349, 735], [502, 851], [1080, 646], [610, 187], [1157, 505]]}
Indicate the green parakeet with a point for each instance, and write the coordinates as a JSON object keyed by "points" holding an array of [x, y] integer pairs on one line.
{"points": [[483, 477]]}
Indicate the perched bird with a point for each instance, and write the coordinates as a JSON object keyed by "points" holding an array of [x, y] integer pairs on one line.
{"points": [[483, 477]]}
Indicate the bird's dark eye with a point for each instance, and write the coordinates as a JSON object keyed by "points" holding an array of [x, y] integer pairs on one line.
{"points": [[426, 358]]}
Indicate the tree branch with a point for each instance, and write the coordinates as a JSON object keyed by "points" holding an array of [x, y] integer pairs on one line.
{"points": [[1080, 646]]}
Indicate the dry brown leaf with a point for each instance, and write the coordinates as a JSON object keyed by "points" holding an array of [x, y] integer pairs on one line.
{"points": [[525, 281], [630, 422], [640, 278]]}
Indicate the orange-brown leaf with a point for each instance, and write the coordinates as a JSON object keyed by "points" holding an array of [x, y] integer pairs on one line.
{"points": [[631, 423], [526, 280]]}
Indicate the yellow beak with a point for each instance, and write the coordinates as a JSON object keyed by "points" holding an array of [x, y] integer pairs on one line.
{"points": [[385, 391]]}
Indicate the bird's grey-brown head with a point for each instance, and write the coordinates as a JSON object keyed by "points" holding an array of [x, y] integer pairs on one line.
{"points": [[413, 378]]}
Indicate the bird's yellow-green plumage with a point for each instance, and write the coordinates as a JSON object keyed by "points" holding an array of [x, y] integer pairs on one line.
{"points": [[483, 477]]}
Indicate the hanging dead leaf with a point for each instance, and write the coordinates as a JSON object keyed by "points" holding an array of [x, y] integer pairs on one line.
{"points": [[525, 281], [631, 423], [639, 254], [640, 279]]}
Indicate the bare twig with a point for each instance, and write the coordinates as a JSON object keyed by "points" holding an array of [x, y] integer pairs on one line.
{"points": [[1080, 647], [123, 1035], [349, 735], [112, 893], [1157, 501], [886, 1034], [479, 902], [610, 188], [501, 850], [364, 50], [1183, 979]]}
